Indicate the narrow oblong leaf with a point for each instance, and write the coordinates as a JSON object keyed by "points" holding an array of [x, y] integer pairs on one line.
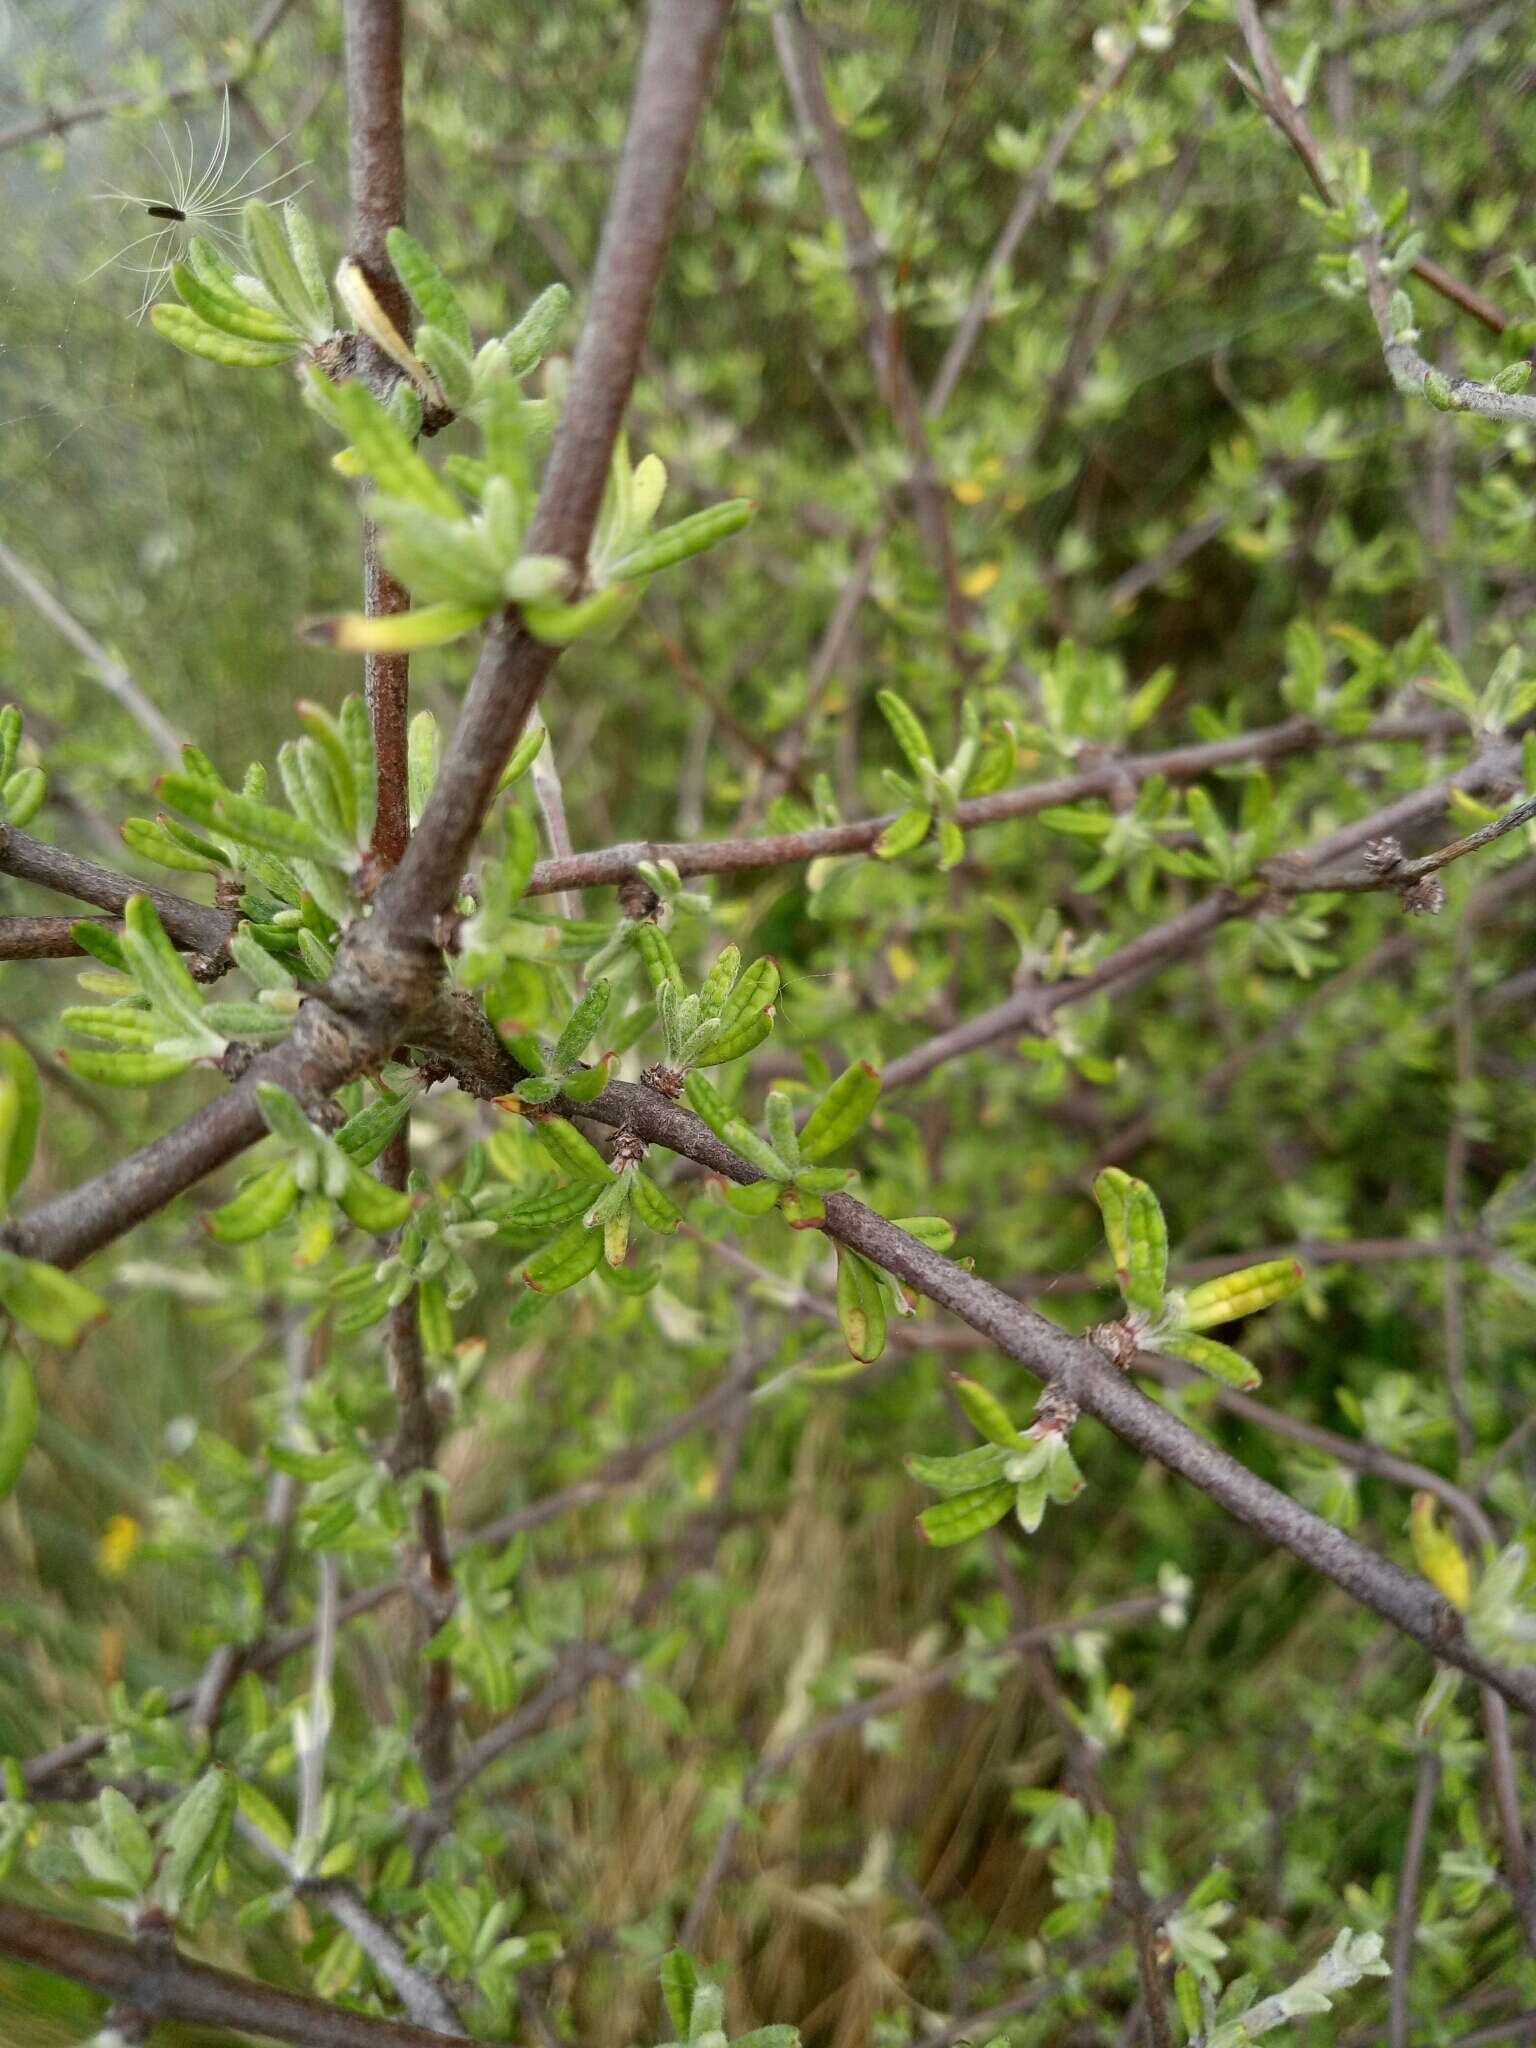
{"points": [[124, 1069], [582, 1026], [180, 325], [860, 1306], [52, 1305], [686, 537], [232, 314], [910, 734], [260, 1206], [966, 1515], [527, 341], [656, 1210], [843, 1110], [18, 1418], [390, 459], [958, 1474], [904, 833], [1219, 1361], [986, 1414], [270, 257], [1137, 1235], [1234, 1295], [434, 297], [371, 1205], [198, 1831], [19, 1070], [573, 1255], [570, 1151]]}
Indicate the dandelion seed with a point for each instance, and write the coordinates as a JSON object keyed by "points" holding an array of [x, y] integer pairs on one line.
{"points": [[191, 204]]}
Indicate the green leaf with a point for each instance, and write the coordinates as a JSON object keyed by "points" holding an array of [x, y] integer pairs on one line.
{"points": [[949, 1522], [582, 1027], [528, 340], [537, 1215], [746, 1018], [372, 1206], [161, 973], [428, 625], [232, 314], [1234, 1295], [155, 840], [570, 1151], [195, 1838], [951, 845], [271, 259], [243, 819], [21, 1106], [986, 1414], [18, 1418], [260, 1206], [51, 1304], [842, 1111], [960, 1474], [124, 1069], [179, 324], [657, 957], [909, 731], [931, 1231], [572, 1256], [687, 537], [656, 1210], [305, 251], [1217, 1360], [433, 296], [388, 456], [679, 1982], [860, 1305], [904, 833], [1137, 1236]]}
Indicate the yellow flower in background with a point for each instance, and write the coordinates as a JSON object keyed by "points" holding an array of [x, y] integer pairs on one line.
{"points": [[119, 1540], [978, 581], [1438, 1555]]}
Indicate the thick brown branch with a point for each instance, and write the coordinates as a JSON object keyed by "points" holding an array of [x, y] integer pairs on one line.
{"points": [[195, 1994], [196, 926]]}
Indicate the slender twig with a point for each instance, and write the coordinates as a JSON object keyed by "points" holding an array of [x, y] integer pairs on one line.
{"points": [[59, 120], [549, 795], [823, 144], [222, 1671], [1406, 1918], [312, 1745], [1408, 369], [1105, 778], [110, 673], [1031, 1007], [375, 39], [1032, 196]]}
